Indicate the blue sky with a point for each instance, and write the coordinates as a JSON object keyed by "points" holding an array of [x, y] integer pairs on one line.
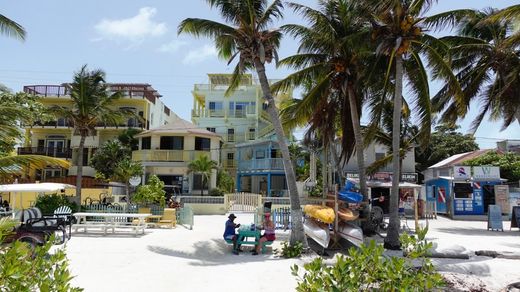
{"points": [[136, 41]]}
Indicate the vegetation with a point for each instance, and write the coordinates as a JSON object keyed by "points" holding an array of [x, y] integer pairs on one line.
{"points": [[11, 28], [509, 163], [225, 182], [248, 36], [367, 269], [216, 192], [203, 166], [25, 269], [290, 251], [106, 158], [124, 171], [48, 203], [150, 193]]}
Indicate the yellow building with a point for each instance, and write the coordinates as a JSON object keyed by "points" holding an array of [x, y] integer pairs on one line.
{"points": [[57, 139], [167, 150]]}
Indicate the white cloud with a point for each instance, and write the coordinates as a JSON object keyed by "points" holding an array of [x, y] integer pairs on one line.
{"points": [[172, 46], [200, 54], [134, 28]]}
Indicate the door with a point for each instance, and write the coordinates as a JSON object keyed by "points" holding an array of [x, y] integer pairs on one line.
{"points": [[55, 147], [489, 196]]}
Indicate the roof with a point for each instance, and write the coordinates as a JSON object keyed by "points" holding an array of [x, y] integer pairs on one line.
{"points": [[458, 159], [39, 187], [179, 126]]}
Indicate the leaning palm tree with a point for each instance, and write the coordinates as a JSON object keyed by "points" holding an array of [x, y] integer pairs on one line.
{"points": [[203, 166], [11, 28], [91, 104], [486, 59], [330, 57], [246, 34], [398, 30]]}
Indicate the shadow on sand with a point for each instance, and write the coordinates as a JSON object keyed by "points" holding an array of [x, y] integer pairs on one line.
{"points": [[477, 232], [213, 252], [108, 235]]}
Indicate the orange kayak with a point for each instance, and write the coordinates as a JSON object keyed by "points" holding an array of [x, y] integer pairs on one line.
{"points": [[346, 214], [323, 213]]}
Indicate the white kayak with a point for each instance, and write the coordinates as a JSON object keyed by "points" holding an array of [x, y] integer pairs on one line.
{"points": [[351, 232], [317, 231]]}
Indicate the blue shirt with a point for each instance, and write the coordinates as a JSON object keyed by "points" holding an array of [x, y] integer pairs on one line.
{"points": [[230, 228]]}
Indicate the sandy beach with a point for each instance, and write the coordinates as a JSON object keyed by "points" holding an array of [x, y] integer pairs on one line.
{"points": [[199, 260]]}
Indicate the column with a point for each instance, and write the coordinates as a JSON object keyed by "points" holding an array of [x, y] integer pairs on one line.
{"points": [[269, 184]]}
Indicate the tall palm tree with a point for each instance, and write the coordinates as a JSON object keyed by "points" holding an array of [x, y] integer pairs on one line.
{"points": [[203, 166], [398, 30], [91, 105], [486, 59], [11, 28], [330, 57], [246, 34], [124, 171]]}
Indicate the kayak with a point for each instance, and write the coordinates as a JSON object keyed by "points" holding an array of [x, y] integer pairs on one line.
{"points": [[319, 232], [349, 196], [346, 214], [351, 232], [323, 213]]}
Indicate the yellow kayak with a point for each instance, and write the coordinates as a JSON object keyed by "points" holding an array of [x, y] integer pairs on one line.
{"points": [[323, 213]]}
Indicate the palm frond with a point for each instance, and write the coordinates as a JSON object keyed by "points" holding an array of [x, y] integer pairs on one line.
{"points": [[11, 28]]}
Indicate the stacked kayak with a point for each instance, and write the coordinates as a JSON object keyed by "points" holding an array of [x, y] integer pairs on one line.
{"points": [[346, 214], [319, 232], [351, 233], [322, 213]]}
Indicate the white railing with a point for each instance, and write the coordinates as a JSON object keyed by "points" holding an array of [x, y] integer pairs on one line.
{"points": [[242, 202], [261, 164], [201, 200]]}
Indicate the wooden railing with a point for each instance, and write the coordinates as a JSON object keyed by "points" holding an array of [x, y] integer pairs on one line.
{"points": [[168, 155]]}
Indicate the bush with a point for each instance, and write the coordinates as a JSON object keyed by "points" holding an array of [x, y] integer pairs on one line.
{"points": [[216, 192], [48, 203], [290, 251], [366, 269], [151, 192]]}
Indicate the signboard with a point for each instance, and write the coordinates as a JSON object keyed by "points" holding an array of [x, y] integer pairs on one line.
{"points": [[495, 218], [515, 218], [502, 197], [381, 176], [353, 175], [486, 172], [409, 177], [461, 172]]}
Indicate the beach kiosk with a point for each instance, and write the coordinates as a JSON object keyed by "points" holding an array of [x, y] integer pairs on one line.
{"points": [[466, 190]]}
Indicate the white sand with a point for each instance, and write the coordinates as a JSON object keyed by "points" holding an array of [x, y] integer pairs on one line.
{"points": [[199, 259]]}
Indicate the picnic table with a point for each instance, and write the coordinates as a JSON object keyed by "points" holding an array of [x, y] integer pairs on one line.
{"points": [[110, 221], [248, 236]]}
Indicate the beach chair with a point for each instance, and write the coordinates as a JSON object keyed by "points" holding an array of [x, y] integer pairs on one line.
{"points": [[65, 213], [168, 218], [142, 210]]}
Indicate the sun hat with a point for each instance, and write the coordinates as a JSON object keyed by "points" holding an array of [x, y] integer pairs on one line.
{"points": [[232, 216]]}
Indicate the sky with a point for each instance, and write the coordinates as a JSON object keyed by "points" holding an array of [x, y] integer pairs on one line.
{"points": [[136, 42]]}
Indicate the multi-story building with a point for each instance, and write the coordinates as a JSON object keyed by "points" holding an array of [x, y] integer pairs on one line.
{"points": [[167, 150], [238, 117], [57, 139]]}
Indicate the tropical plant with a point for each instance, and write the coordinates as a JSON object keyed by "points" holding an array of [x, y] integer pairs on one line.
{"points": [[246, 34], [91, 105], [11, 28], [224, 181], [106, 158], [128, 139], [486, 59], [25, 269], [202, 166], [399, 32], [151, 192], [48, 203], [290, 251], [124, 171], [330, 64]]}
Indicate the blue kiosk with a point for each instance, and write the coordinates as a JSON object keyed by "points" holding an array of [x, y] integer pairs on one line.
{"points": [[466, 191]]}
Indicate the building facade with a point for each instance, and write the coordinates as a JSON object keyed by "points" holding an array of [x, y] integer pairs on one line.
{"points": [[167, 150], [56, 138]]}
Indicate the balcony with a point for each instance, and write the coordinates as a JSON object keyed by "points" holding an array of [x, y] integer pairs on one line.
{"points": [[168, 155], [261, 164], [47, 151], [90, 141], [248, 112], [47, 90], [229, 163]]}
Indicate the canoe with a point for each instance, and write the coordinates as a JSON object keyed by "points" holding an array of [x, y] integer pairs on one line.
{"points": [[319, 232], [349, 196], [346, 214], [351, 232], [323, 213]]}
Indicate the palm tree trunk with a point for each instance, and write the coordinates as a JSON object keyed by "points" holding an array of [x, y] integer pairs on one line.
{"points": [[79, 173], [297, 233], [392, 237], [127, 191], [359, 143], [336, 161]]}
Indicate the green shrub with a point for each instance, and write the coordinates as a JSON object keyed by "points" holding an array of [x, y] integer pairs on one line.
{"points": [[151, 192], [290, 251], [25, 269], [366, 269], [48, 203], [216, 192]]}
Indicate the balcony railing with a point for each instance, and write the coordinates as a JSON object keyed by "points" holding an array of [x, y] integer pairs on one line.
{"points": [[47, 151], [229, 163], [249, 111], [261, 164], [168, 155]]}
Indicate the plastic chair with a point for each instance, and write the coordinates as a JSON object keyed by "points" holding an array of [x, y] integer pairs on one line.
{"points": [[169, 218]]}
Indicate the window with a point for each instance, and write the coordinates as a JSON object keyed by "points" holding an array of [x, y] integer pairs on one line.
{"points": [[380, 155], [216, 109], [463, 191], [211, 129], [172, 142], [52, 172], [202, 144], [231, 156], [260, 154], [146, 143], [251, 134], [231, 135]]}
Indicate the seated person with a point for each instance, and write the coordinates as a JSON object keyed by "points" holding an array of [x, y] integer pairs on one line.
{"points": [[269, 234], [5, 204], [229, 232]]}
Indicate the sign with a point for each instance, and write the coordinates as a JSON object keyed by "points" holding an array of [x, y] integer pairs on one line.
{"points": [[502, 197], [353, 175], [486, 172], [515, 218], [495, 218], [381, 176], [409, 177], [442, 195], [461, 172]]}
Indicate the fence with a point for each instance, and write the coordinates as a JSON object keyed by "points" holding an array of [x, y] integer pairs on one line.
{"points": [[281, 217], [242, 202], [185, 216]]}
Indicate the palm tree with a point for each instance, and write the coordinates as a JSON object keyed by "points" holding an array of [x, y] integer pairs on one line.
{"points": [[330, 57], [124, 171], [398, 30], [203, 166], [10, 28], [91, 104], [246, 34], [486, 58]]}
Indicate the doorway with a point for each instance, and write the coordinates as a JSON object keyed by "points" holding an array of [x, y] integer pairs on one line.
{"points": [[376, 193], [488, 192]]}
